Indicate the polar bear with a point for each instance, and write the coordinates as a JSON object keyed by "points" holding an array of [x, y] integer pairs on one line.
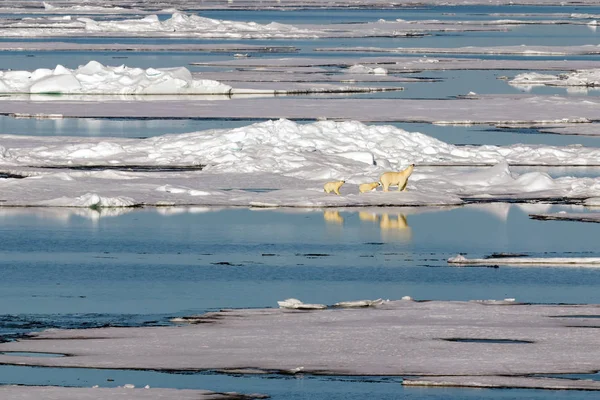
{"points": [[333, 187], [367, 187], [399, 178]]}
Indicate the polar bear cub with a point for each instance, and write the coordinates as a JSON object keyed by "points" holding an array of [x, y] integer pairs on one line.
{"points": [[399, 178], [333, 187], [367, 187]]}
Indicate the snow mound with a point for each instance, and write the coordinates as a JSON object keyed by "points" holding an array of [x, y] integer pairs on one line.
{"points": [[363, 69], [95, 78], [206, 27], [91, 200]]}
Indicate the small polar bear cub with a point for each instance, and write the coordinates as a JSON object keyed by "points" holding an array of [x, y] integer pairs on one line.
{"points": [[367, 187], [399, 178], [333, 187]]}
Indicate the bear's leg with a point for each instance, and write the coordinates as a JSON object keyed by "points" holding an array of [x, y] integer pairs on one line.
{"points": [[403, 187], [337, 191], [385, 186]]}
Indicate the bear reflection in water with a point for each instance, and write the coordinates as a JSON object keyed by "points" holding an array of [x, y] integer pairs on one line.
{"points": [[393, 227], [333, 216]]}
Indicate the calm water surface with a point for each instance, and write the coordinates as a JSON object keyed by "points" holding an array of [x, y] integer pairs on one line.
{"points": [[68, 268]]}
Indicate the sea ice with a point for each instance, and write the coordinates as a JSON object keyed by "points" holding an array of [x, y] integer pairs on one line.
{"points": [[464, 340], [585, 78], [292, 160], [570, 216], [96, 393], [296, 304], [190, 25], [479, 109], [95, 78], [578, 262]]}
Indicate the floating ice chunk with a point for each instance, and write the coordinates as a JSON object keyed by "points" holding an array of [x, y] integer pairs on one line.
{"points": [[363, 69], [359, 303], [585, 78], [592, 201], [531, 261], [91, 200], [296, 304], [95, 78], [129, 386]]}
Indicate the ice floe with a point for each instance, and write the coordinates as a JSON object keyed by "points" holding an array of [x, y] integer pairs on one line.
{"points": [[189, 25], [95, 78], [152, 83], [293, 160], [413, 338], [97, 393], [496, 50], [585, 78], [593, 262], [406, 64], [504, 382], [569, 216], [296, 304], [465, 110], [144, 47]]}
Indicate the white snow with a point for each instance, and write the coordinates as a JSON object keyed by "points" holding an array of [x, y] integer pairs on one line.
{"points": [[296, 304], [95, 78], [142, 84], [363, 69], [184, 25], [529, 261], [585, 78], [294, 160], [206, 27]]}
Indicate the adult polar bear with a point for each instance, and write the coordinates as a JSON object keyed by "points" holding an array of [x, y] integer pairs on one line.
{"points": [[399, 178]]}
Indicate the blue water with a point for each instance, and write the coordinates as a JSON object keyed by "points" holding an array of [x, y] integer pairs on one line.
{"points": [[68, 269], [144, 262], [65, 268]]}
